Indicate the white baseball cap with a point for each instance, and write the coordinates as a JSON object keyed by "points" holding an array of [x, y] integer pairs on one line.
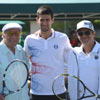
{"points": [[85, 24], [11, 26]]}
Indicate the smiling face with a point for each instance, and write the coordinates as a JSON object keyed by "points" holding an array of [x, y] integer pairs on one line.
{"points": [[45, 22], [86, 36], [11, 37]]}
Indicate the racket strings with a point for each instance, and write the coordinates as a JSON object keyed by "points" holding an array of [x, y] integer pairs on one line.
{"points": [[16, 76]]}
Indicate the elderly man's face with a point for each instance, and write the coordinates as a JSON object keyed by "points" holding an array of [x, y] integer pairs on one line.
{"points": [[11, 37]]}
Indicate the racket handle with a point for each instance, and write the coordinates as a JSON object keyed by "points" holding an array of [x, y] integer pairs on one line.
{"points": [[3, 89], [2, 92], [98, 96]]}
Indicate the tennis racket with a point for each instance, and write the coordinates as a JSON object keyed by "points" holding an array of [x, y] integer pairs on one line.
{"points": [[82, 90], [15, 77]]}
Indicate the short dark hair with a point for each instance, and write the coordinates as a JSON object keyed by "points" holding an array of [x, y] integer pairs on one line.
{"points": [[44, 9]]}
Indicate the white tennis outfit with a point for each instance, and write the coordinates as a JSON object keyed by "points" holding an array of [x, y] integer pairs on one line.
{"points": [[48, 57], [87, 69], [6, 56]]}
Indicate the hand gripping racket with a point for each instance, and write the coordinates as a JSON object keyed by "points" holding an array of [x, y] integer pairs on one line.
{"points": [[81, 84], [15, 77]]}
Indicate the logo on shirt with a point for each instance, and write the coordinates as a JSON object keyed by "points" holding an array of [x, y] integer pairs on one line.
{"points": [[55, 46], [96, 57]]}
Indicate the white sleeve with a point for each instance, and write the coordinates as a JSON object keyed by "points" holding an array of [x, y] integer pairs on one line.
{"points": [[67, 49], [72, 70], [26, 46]]}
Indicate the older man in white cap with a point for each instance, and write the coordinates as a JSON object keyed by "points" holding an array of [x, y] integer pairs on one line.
{"points": [[9, 50], [86, 63]]}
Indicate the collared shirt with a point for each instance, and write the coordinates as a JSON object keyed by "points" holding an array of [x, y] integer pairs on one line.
{"points": [[87, 69], [48, 57], [6, 56]]}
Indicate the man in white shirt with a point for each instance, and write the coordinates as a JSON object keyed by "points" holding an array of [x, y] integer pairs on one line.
{"points": [[9, 51], [48, 51], [86, 63]]}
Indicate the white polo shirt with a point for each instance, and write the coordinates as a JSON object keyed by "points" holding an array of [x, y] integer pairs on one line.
{"points": [[88, 69], [48, 57]]}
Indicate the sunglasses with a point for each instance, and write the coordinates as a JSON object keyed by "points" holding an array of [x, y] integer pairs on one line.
{"points": [[87, 33], [11, 33]]}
